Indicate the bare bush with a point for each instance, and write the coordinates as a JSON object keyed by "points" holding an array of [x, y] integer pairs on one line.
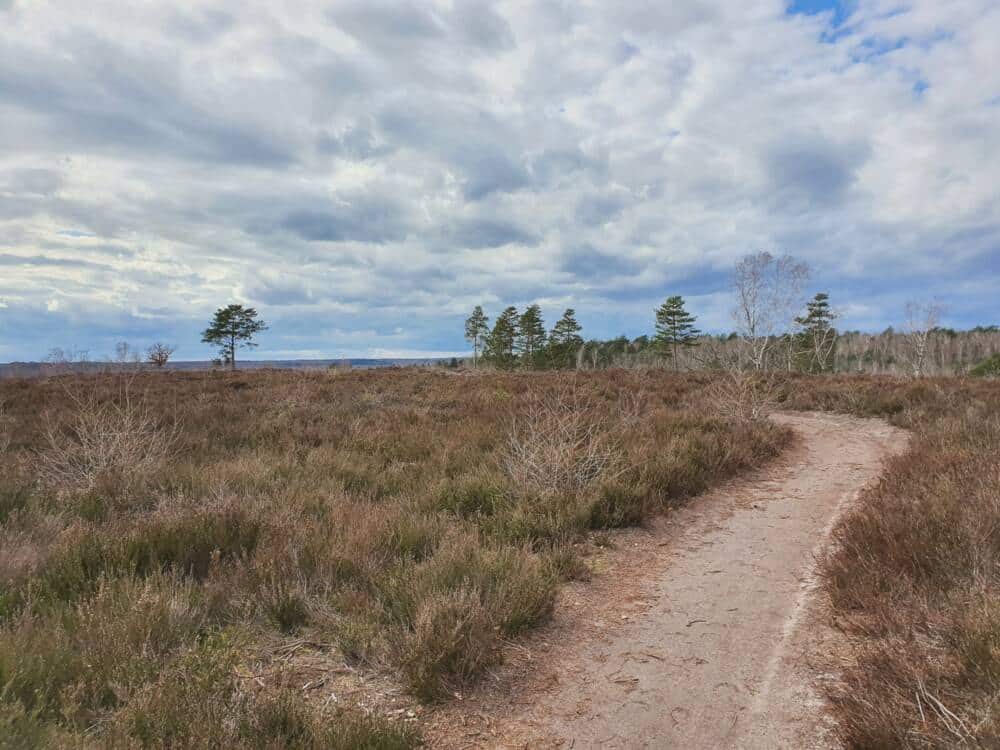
{"points": [[99, 439], [744, 396], [562, 443], [159, 354]]}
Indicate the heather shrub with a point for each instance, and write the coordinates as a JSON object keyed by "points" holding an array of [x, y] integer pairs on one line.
{"points": [[913, 573], [405, 522], [451, 639]]}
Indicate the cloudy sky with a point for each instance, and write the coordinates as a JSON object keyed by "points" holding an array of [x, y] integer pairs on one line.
{"points": [[364, 172]]}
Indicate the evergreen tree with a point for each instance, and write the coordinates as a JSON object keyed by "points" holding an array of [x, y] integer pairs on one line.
{"points": [[674, 328], [233, 327], [817, 339], [565, 340], [531, 337], [476, 329], [499, 349]]}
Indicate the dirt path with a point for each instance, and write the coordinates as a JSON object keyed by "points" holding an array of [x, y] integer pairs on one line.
{"points": [[705, 631]]}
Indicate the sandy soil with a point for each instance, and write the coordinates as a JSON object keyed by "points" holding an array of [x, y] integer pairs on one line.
{"points": [[704, 631]]}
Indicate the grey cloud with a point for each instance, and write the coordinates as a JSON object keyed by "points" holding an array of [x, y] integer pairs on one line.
{"points": [[470, 140], [279, 292], [487, 173], [201, 25], [557, 164], [589, 263], [485, 233], [594, 209], [101, 95], [385, 25], [815, 169], [30, 181], [386, 22], [481, 26], [363, 222], [6, 259], [355, 143]]}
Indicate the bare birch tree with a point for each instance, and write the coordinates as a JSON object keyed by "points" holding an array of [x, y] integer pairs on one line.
{"points": [[768, 294], [921, 320]]}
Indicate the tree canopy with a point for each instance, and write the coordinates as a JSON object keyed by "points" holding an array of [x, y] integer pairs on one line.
{"points": [[233, 327], [501, 341], [674, 327], [476, 329]]}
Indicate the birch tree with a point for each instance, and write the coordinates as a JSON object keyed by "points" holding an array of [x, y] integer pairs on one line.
{"points": [[768, 292]]}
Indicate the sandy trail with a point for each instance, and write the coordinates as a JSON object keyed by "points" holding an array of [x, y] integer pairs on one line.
{"points": [[706, 631]]}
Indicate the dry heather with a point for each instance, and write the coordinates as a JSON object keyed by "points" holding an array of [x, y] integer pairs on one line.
{"points": [[157, 549], [915, 576]]}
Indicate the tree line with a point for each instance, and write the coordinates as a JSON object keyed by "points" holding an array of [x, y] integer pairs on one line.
{"points": [[519, 340], [776, 328]]}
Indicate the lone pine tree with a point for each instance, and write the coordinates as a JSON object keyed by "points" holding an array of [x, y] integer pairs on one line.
{"points": [[818, 338], [674, 328], [231, 328]]}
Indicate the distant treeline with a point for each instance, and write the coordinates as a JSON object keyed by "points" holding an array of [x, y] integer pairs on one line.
{"points": [[519, 340]]}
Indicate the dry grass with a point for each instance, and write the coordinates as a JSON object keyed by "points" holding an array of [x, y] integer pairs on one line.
{"points": [[915, 574], [405, 523]]}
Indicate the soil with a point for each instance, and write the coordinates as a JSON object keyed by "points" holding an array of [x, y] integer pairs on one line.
{"points": [[705, 630]]}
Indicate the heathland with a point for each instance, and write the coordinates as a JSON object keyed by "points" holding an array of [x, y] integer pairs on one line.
{"points": [[187, 559], [167, 538]]}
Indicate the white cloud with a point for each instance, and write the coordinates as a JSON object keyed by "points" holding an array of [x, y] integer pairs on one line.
{"points": [[383, 166]]}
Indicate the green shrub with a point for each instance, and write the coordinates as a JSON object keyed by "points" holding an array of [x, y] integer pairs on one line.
{"points": [[472, 495], [452, 639], [188, 544], [620, 504], [988, 368], [13, 498]]}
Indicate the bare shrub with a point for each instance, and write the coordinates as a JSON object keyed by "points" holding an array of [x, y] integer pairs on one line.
{"points": [[99, 439], [159, 354], [561, 442], [744, 396]]}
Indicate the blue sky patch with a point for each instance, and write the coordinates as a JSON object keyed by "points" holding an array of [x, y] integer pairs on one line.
{"points": [[841, 9]]}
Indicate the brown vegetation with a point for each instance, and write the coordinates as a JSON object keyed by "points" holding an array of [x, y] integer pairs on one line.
{"points": [[161, 545], [915, 573]]}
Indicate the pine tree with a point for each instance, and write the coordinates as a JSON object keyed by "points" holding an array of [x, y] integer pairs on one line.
{"points": [[499, 349], [476, 330], [818, 338], [233, 327], [531, 337], [674, 328], [565, 340]]}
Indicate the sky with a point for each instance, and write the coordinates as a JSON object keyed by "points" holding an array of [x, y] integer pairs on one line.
{"points": [[365, 172]]}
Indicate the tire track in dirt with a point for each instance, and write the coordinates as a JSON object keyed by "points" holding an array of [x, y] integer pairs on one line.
{"points": [[705, 631]]}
